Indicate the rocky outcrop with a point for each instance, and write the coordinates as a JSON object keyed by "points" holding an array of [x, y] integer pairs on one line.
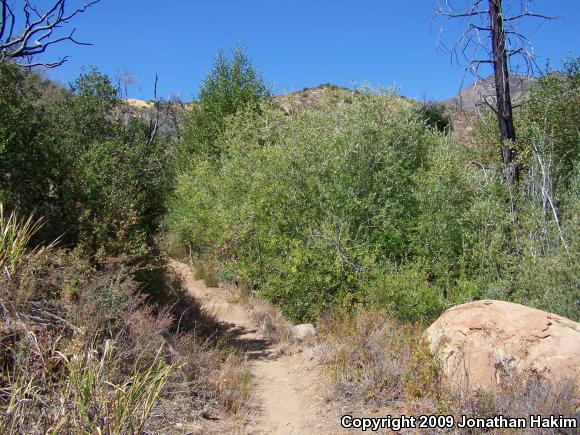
{"points": [[479, 343], [474, 97]]}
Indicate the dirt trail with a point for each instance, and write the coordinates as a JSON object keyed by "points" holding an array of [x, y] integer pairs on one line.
{"points": [[284, 383]]}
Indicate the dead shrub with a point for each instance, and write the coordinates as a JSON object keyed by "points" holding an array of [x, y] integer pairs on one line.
{"points": [[83, 351], [233, 382], [519, 395], [370, 357], [271, 321], [269, 318]]}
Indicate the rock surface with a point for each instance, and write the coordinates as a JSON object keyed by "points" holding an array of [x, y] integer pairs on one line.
{"points": [[480, 342], [304, 331], [473, 98]]}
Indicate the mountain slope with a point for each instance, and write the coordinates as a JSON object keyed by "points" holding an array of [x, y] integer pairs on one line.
{"points": [[474, 97]]}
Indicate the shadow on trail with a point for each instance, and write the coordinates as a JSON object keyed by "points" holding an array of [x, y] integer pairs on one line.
{"points": [[240, 337]]}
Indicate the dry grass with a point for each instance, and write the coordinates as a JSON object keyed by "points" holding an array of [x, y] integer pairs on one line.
{"points": [[15, 235], [83, 352], [369, 357], [89, 400], [273, 324], [519, 396], [372, 361], [207, 272], [276, 328]]}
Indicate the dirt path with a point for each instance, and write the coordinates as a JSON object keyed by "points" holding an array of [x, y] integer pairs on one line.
{"points": [[285, 384]]}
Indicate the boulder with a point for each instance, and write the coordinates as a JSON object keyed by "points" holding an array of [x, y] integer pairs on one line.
{"points": [[479, 343], [304, 331]]}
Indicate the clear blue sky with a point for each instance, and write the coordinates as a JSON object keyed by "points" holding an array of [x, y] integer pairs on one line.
{"points": [[294, 43]]}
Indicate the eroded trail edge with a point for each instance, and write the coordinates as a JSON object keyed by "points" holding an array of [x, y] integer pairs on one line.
{"points": [[284, 383]]}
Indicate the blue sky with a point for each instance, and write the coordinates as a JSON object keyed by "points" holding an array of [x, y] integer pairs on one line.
{"points": [[293, 43]]}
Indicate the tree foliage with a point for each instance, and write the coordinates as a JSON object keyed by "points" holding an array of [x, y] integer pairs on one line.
{"points": [[365, 204], [232, 84], [99, 182]]}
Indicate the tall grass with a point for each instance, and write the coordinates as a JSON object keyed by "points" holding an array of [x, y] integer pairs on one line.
{"points": [[15, 235], [81, 351], [89, 401]]}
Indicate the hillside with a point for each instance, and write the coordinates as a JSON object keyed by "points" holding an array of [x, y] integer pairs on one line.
{"points": [[312, 97], [474, 97]]}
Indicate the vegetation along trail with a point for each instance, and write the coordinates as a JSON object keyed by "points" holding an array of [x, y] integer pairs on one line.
{"points": [[284, 382]]}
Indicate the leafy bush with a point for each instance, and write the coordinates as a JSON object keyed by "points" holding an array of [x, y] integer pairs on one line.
{"points": [[232, 85], [99, 183], [304, 207], [23, 158], [543, 259], [435, 117], [549, 121], [361, 204]]}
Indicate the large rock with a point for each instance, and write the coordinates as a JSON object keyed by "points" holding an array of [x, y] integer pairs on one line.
{"points": [[304, 331], [480, 342]]}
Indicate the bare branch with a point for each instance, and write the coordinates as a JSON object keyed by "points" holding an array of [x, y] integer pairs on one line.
{"points": [[7, 15], [38, 29], [464, 15], [528, 14], [30, 64], [476, 27], [490, 105], [471, 12], [489, 37], [3, 16], [475, 40], [153, 126]]}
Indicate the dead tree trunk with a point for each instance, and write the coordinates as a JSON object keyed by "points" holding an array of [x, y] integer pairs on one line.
{"points": [[507, 130], [482, 26]]}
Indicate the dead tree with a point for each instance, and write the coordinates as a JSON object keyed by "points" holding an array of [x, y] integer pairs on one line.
{"points": [[490, 36], [39, 30]]}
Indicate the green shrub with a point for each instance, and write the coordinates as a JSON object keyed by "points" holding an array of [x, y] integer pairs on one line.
{"points": [[541, 247], [550, 121], [24, 172], [407, 294], [99, 183], [435, 117], [364, 204], [232, 85], [304, 207]]}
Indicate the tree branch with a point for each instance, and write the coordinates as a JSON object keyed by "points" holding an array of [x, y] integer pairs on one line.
{"points": [[25, 46], [528, 14], [153, 126]]}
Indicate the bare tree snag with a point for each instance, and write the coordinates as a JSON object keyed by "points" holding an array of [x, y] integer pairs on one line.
{"points": [[39, 31], [491, 37], [507, 131]]}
